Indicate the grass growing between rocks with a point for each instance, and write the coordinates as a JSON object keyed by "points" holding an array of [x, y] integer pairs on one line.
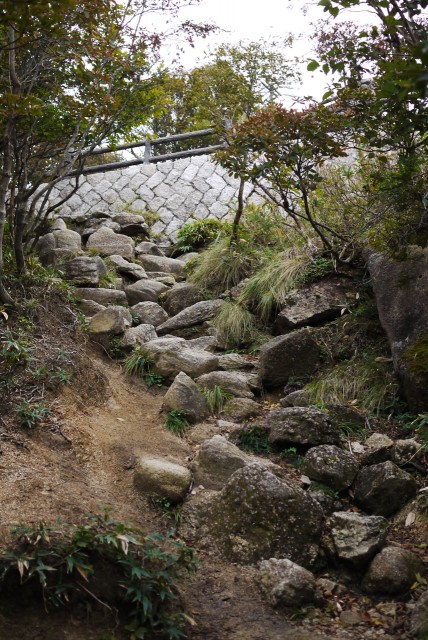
{"points": [[366, 381], [177, 423], [254, 438], [235, 325], [142, 571], [216, 399]]}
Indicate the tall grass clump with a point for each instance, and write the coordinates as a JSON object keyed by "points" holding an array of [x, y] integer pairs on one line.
{"points": [[221, 267], [366, 381], [268, 287], [216, 398], [235, 325]]}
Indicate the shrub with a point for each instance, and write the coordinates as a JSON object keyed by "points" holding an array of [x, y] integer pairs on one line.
{"points": [[31, 413], [176, 422], [139, 364], [254, 438], [198, 234], [77, 559]]}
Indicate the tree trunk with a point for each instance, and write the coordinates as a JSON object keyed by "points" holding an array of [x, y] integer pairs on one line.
{"points": [[6, 171], [238, 214]]}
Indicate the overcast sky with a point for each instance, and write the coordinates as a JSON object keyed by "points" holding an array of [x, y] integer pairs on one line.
{"points": [[255, 19]]}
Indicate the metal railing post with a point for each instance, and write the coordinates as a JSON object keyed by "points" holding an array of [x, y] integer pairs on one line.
{"points": [[147, 150]]}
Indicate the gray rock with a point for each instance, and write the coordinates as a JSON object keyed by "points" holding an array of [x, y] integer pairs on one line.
{"points": [[192, 316], [378, 449], [149, 313], [144, 291], [242, 409], [102, 296], [90, 307], [168, 280], [161, 263], [383, 488], [401, 290], [315, 303], [331, 466], [419, 618], [295, 354], [392, 571], [58, 224], [172, 356], [161, 478], [216, 461], [112, 321], [301, 425], [406, 450], [184, 395], [92, 225], [137, 336], [57, 246], [109, 243], [286, 584], [298, 398], [230, 381], [356, 537], [186, 257], [83, 270], [149, 248], [181, 296], [234, 362], [130, 269], [131, 224], [257, 516], [207, 343]]}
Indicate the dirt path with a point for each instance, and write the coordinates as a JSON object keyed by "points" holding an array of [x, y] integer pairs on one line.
{"points": [[90, 465]]}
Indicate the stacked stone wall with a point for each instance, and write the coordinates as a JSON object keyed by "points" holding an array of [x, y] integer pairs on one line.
{"points": [[173, 191]]}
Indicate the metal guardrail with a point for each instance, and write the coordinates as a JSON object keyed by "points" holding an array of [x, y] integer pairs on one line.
{"points": [[148, 157]]}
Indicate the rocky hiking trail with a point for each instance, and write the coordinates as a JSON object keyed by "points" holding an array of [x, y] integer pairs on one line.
{"points": [[93, 467], [310, 532]]}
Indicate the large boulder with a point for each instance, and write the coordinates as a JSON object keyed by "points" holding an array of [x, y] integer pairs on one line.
{"points": [[301, 425], [331, 466], [130, 269], [184, 396], [392, 571], [192, 316], [383, 488], [257, 516], [90, 307], [58, 245], [293, 355], [84, 270], [356, 537], [234, 362], [149, 313], [161, 263], [113, 321], [230, 381], [102, 296], [109, 243], [285, 583], [315, 303], [144, 291], [217, 460], [172, 355], [179, 297], [137, 336], [401, 290], [160, 478]]}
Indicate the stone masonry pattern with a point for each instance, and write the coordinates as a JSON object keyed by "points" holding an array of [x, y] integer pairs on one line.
{"points": [[175, 191]]}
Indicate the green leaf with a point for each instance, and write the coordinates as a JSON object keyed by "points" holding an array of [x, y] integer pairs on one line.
{"points": [[313, 65]]}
